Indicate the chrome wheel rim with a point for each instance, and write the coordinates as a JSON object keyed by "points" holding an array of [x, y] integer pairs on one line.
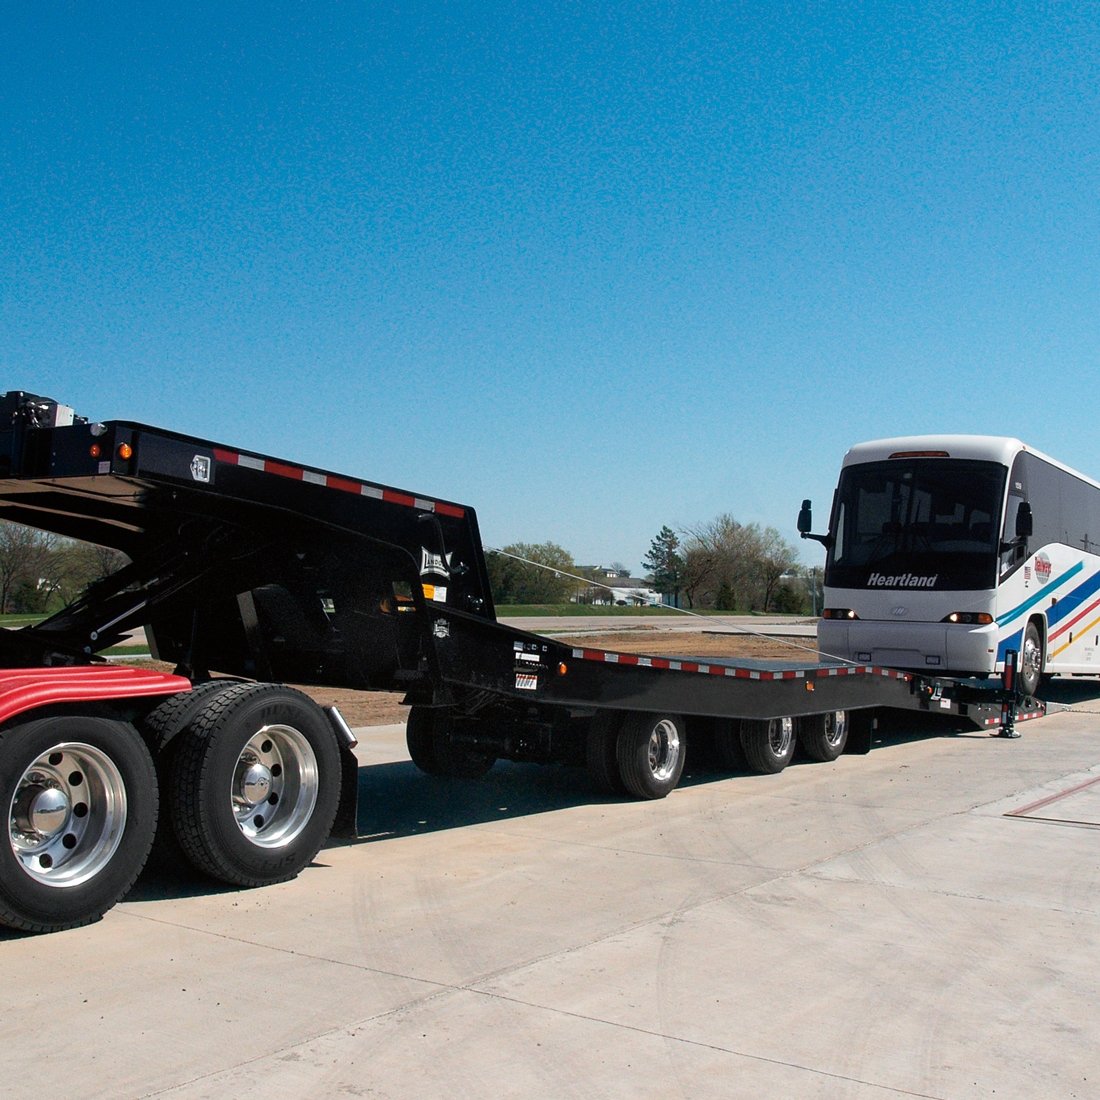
{"points": [[781, 735], [68, 815], [1031, 658], [836, 724], [664, 750], [274, 787]]}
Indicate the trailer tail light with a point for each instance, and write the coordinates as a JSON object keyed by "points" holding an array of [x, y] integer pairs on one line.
{"points": [[969, 618], [95, 450], [125, 452], [839, 613], [563, 668]]}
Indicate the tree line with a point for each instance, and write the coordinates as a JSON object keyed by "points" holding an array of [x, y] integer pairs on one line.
{"points": [[725, 565], [40, 571], [722, 565]]}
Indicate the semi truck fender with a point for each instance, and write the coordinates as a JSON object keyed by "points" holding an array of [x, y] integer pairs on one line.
{"points": [[27, 689]]}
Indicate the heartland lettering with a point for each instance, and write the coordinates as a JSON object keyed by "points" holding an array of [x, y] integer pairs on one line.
{"points": [[902, 580]]}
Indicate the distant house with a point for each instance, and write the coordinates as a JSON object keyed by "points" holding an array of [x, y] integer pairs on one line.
{"points": [[616, 587]]}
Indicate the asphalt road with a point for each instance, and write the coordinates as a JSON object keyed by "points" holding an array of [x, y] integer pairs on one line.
{"points": [[895, 925]]}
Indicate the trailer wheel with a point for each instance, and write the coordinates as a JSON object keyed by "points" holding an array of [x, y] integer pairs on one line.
{"points": [[1032, 659], [650, 754], [823, 736], [601, 752], [255, 784], [79, 795], [727, 744], [428, 737], [769, 743]]}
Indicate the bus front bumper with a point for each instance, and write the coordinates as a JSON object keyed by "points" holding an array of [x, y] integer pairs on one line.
{"points": [[927, 647]]}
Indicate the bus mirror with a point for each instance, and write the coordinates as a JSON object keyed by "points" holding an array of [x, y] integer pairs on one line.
{"points": [[1025, 525], [805, 518]]}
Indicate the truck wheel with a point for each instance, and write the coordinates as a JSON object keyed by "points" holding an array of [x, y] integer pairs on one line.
{"points": [[80, 799], [768, 743], [255, 784], [823, 736], [1032, 659], [428, 737], [601, 752], [650, 754], [727, 744], [161, 727]]}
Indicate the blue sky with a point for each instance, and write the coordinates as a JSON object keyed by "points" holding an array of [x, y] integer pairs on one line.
{"points": [[591, 268]]}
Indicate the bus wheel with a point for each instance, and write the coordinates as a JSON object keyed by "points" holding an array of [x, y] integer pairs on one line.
{"points": [[769, 743], [80, 799], [255, 784], [650, 752], [823, 736], [1032, 660]]}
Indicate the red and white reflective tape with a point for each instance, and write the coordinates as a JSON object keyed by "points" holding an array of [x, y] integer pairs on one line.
{"points": [[332, 481], [733, 671]]}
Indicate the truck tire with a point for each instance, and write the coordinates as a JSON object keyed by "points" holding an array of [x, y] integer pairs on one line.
{"points": [[161, 728], [601, 752], [79, 795], [1032, 659], [727, 744], [769, 743], [428, 737], [823, 736], [255, 784], [650, 754]]}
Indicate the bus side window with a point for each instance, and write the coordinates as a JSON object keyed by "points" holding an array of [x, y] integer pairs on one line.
{"points": [[1013, 550]]}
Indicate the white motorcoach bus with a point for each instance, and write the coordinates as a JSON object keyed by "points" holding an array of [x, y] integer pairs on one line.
{"points": [[944, 552]]}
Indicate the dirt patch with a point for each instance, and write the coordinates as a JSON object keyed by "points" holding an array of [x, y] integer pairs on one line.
{"points": [[664, 643]]}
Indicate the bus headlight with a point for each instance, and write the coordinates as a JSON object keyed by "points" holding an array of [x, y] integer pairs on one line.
{"points": [[968, 618]]}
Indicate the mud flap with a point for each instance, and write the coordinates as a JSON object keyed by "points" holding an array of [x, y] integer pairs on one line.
{"points": [[861, 730], [346, 824]]}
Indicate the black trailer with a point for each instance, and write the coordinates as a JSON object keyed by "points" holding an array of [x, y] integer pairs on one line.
{"points": [[248, 573]]}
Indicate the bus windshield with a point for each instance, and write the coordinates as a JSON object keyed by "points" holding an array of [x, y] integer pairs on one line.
{"points": [[918, 522]]}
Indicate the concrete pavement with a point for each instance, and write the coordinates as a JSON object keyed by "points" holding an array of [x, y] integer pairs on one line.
{"points": [[871, 928]]}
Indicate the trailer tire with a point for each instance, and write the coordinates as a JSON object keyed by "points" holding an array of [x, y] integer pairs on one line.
{"points": [[650, 754], [727, 744], [79, 795], [255, 784], [769, 743], [823, 736], [428, 738], [1032, 659], [601, 752]]}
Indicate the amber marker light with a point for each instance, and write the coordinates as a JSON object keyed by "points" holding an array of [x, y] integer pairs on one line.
{"points": [[125, 452]]}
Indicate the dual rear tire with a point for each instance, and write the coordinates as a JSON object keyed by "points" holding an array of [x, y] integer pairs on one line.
{"points": [[637, 754], [250, 777]]}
